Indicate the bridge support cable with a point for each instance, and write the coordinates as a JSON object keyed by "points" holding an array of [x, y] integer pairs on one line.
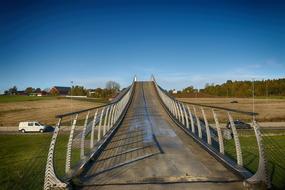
{"points": [[223, 142], [81, 148]]}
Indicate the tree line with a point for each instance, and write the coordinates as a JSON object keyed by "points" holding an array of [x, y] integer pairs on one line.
{"points": [[110, 90], [275, 87], [270, 87]]}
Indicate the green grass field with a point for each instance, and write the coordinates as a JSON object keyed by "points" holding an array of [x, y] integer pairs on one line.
{"points": [[275, 153], [8, 99], [23, 158]]}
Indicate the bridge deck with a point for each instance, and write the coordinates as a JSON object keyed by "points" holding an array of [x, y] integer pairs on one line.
{"points": [[150, 152]]}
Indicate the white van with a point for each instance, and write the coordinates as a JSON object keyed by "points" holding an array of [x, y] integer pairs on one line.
{"points": [[31, 126]]}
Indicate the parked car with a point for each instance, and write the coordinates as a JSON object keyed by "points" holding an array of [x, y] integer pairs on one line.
{"points": [[31, 126], [239, 125]]}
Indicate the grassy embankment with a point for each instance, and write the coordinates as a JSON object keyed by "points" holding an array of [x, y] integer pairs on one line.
{"points": [[274, 150], [23, 158]]}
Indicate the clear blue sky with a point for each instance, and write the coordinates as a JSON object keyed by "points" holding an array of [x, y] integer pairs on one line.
{"points": [[180, 42]]}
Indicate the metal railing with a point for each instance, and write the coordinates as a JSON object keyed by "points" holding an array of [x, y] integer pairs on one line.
{"points": [[217, 132], [80, 143]]}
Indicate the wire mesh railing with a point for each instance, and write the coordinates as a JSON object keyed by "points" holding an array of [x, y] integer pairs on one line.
{"points": [[241, 145], [77, 137]]}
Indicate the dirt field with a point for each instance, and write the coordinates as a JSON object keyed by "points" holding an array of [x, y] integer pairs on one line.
{"points": [[43, 110], [268, 110]]}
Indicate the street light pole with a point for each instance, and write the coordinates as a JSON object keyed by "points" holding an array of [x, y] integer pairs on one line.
{"points": [[266, 84], [253, 115], [71, 107]]}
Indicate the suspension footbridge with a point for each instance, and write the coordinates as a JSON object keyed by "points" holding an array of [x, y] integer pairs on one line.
{"points": [[146, 139]]}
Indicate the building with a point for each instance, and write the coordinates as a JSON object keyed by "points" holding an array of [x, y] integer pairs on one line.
{"points": [[59, 90], [21, 93]]}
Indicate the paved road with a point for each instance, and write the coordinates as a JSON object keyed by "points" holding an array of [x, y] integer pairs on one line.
{"points": [[150, 152]]}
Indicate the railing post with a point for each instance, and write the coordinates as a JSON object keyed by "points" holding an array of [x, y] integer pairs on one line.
{"points": [[170, 106], [181, 113], [115, 113], [175, 109], [209, 140], [51, 180], [165, 100], [82, 144], [69, 146], [93, 129], [191, 120], [118, 110], [105, 120], [186, 116], [219, 131], [198, 123], [100, 124], [236, 140], [261, 174], [178, 113], [110, 117]]}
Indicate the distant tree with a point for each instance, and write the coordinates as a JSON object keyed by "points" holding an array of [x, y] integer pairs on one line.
{"points": [[78, 91], [113, 85], [103, 93], [38, 90], [189, 89], [13, 90], [274, 87], [29, 90], [53, 92]]}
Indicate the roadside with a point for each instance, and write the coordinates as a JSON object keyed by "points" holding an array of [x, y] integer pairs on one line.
{"points": [[14, 129]]}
